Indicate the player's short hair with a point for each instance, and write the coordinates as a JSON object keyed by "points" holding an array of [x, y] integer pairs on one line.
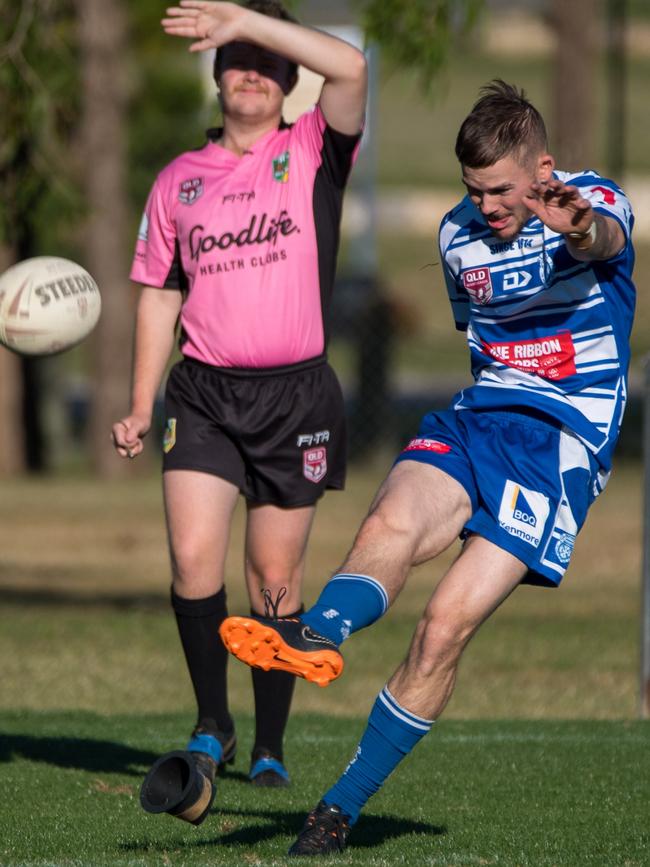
{"points": [[272, 8], [502, 123]]}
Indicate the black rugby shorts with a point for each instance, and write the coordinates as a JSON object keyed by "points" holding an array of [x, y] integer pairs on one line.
{"points": [[278, 434]]}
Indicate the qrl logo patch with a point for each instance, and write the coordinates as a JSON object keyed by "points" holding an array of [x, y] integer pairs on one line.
{"points": [[190, 191], [478, 284], [169, 437], [281, 168], [523, 513], [314, 464]]}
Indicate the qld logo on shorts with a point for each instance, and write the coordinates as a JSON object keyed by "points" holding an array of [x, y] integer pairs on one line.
{"points": [[478, 284], [523, 513], [314, 464], [189, 191]]}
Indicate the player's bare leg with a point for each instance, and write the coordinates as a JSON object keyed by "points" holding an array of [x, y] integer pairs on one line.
{"points": [[475, 585], [275, 550], [480, 579], [199, 509]]}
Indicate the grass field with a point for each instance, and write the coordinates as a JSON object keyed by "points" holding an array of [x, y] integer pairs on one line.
{"points": [[473, 793], [539, 760], [85, 622]]}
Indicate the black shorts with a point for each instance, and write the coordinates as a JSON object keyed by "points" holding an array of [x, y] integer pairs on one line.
{"points": [[278, 434]]}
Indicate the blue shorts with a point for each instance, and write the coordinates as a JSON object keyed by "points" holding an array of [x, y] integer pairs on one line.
{"points": [[530, 482]]}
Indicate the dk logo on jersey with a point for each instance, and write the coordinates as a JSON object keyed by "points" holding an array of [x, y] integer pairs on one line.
{"points": [[523, 513]]}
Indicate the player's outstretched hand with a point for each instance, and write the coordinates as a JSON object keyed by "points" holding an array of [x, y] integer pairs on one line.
{"points": [[211, 24], [127, 435], [560, 207]]}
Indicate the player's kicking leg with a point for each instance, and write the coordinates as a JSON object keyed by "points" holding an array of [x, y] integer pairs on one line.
{"points": [[480, 579], [418, 512]]}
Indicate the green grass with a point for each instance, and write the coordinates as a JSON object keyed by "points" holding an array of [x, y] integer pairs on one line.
{"points": [[484, 793], [538, 760], [84, 583]]}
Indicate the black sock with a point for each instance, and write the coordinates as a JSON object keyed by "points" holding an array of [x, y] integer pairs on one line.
{"points": [[273, 691], [198, 626]]}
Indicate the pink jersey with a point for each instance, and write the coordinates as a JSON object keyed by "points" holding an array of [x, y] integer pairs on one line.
{"points": [[252, 242]]}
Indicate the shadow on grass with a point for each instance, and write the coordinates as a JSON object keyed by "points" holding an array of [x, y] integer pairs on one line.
{"points": [[84, 754], [369, 832], [96, 600]]}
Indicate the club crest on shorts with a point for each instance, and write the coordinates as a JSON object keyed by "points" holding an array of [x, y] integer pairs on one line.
{"points": [[169, 437], [564, 547], [281, 168], [314, 464], [189, 191]]}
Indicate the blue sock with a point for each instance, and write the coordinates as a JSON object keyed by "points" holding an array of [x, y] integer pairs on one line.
{"points": [[346, 604], [390, 735]]}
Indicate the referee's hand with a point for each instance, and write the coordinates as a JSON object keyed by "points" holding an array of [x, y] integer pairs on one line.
{"points": [[127, 434]]}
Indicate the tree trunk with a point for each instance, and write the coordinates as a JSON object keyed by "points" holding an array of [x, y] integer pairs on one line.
{"points": [[13, 459], [577, 26], [103, 41]]}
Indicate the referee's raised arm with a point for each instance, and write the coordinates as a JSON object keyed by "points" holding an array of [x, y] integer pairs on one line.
{"points": [[344, 68]]}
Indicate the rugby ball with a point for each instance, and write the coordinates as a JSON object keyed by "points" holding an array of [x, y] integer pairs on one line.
{"points": [[47, 305]]}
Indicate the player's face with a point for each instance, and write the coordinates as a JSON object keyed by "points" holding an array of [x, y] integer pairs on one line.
{"points": [[498, 192], [253, 82]]}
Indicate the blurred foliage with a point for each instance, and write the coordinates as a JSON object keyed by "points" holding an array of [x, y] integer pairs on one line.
{"points": [[40, 108], [418, 35], [41, 89], [167, 101]]}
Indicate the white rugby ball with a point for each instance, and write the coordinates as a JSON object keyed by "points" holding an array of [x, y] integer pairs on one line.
{"points": [[47, 305]]}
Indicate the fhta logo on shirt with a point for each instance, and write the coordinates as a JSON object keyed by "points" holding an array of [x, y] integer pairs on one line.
{"points": [[281, 168], [523, 513]]}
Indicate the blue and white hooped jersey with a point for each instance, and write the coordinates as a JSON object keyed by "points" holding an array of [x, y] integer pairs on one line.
{"points": [[545, 331]]}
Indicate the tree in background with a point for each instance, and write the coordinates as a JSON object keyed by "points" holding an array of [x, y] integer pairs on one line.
{"points": [[419, 34], [82, 120], [577, 28], [38, 111]]}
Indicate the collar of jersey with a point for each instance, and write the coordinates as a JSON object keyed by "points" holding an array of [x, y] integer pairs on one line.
{"points": [[215, 133]]}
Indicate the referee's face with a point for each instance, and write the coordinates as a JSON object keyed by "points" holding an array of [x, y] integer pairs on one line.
{"points": [[253, 82], [498, 192]]}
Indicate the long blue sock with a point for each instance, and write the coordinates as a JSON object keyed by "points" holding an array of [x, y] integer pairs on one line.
{"points": [[347, 603], [391, 734]]}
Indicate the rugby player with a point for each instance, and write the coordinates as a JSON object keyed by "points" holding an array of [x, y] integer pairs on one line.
{"points": [[238, 246], [538, 265]]}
